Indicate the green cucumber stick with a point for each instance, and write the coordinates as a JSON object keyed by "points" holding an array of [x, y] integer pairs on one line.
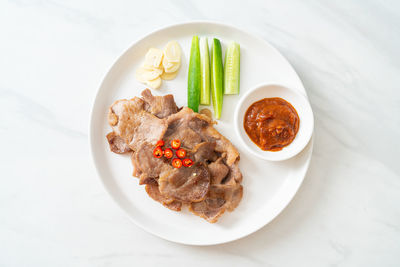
{"points": [[232, 69], [217, 78], [205, 72], [194, 76]]}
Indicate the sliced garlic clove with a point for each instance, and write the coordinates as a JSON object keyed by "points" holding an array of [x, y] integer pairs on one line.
{"points": [[158, 70], [154, 84], [172, 51], [172, 67], [166, 64], [144, 74], [153, 58], [169, 76]]}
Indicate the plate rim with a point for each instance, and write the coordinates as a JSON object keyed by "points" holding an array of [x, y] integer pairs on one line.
{"points": [[91, 133]]}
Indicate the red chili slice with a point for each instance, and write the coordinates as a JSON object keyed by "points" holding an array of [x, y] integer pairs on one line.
{"points": [[158, 152], [181, 153], [160, 143], [187, 162], [176, 144], [168, 153], [177, 163]]}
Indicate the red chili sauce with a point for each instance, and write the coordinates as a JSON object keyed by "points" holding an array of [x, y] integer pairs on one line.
{"points": [[271, 123]]}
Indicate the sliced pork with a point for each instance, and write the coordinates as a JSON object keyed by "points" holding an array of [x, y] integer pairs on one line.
{"points": [[219, 199], [153, 191], [209, 187], [159, 106], [133, 124], [186, 184], [147, 166], [204, 152], [117, 144], [218, 171]]}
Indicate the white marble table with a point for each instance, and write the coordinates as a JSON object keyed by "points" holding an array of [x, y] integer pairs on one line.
{"points": [[53, 209]]}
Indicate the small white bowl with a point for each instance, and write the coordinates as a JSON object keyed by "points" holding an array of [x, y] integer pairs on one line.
{"points": [[296, 99]]}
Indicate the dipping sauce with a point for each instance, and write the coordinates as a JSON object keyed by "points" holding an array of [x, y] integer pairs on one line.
{"points": [[271, 123]]}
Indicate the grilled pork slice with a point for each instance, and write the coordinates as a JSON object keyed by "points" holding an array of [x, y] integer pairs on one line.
{"points": [[117, 144], [218, 171], [186, 184], [138, 120], [220, 198], [204, 152], [159, 106], [136, 126], [146, 166], [153, 191]]}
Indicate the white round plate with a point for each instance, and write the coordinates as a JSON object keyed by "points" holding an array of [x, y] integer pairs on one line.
{"points": [[268, 186]]}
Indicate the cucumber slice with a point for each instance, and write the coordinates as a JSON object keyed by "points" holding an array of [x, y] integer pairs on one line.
{"points": [[217, 78], [194, 76], [205, 72], [232, 69]]}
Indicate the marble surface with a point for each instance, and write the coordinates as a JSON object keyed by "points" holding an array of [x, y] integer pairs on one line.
{"points": [[54, 211]]}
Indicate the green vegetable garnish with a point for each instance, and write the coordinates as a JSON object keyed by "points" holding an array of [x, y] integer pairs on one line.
{"points": [[232, 69], [194, 76], [205, 72], [217, 77]]}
